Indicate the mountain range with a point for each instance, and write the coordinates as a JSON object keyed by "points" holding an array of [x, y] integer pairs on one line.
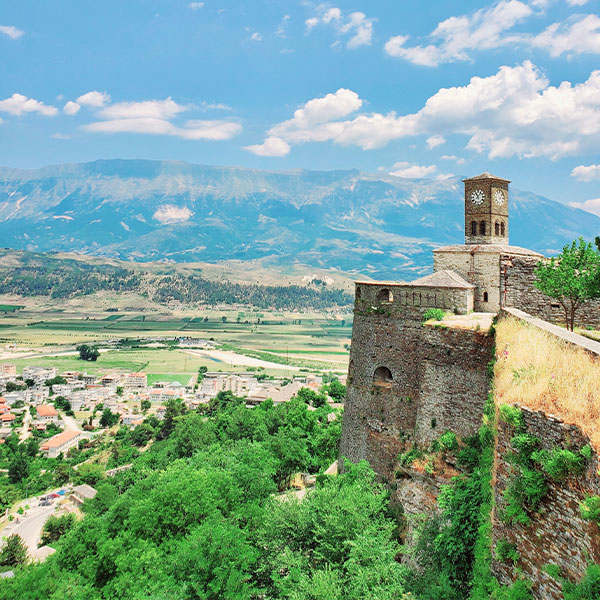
{"points": [[363, 224]]}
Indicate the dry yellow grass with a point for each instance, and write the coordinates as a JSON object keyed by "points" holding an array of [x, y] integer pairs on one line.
{"points": [[541, 372]]}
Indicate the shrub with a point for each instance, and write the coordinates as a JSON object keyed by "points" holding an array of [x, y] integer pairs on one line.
{"points": [[435, 314], [559, 464], [590, 509], [507, 552], [406, 459], [448, 442], [512, 415]]}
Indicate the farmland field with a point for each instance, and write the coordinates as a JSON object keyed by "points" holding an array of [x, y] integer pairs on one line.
{"points": [[43, 336]]}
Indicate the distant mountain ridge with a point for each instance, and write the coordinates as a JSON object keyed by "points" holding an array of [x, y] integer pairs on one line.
{"points": [[367, 224]]}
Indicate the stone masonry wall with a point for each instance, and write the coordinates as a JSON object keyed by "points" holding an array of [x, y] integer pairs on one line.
{"points": [[518, 290], [438, 382], [557, 534]]}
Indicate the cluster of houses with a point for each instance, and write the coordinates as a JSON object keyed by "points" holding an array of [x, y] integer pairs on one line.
{"points": [[122, 393]]}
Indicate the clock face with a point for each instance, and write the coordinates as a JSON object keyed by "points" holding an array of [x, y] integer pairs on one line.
{"points": [[499, 197], [477, 197]]}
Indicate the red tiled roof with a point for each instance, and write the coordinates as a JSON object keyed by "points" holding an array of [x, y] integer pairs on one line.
{"points": [[46, 410]]}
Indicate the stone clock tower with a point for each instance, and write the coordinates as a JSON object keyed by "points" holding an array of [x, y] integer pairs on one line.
{"points": [[486, 210]]}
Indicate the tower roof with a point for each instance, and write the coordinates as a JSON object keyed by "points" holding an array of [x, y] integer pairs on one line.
{"points": [[443, 279], [486, 175]]}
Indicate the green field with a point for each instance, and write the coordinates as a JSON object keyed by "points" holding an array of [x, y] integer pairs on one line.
{"points": [[9, 308], [308, 340]]}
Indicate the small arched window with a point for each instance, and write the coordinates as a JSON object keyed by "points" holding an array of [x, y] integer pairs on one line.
{"points": [[502, 230], [473, 227], [482, 228], [385, 296], [382, 377], [497, 228], [485, 296]]}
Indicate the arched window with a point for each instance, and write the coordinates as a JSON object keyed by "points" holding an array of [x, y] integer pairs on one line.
{"points": [[482, 228], [502, 230], [382, 377], [485, 296], [473, 227], [385, 296], [497, 228]]}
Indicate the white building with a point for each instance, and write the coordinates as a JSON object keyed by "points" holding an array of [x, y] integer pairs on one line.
{"points": [[61, 443], [8, 370], [39, 374]]}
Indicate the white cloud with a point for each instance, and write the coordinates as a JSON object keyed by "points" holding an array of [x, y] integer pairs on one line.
{"points": [[281, 30], [513, 112], [456, 36], [435, 140], [94, 99], [71, 108], [18, 105], [586, 173], [12, 32], [214, 106], [577, 2], [579, 35], [168, 213], [272, 146], [153, 109], [195, 5], [591, 206], [412, 171], [191, 130], [356, 27], [256, 37]]}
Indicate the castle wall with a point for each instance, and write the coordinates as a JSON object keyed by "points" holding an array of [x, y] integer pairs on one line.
{"points": [[557, 534], [518, 290], [438, 382]]}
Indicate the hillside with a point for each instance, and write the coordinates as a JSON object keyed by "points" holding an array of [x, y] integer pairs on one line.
{"points": [[367, 224], [30, 274]]}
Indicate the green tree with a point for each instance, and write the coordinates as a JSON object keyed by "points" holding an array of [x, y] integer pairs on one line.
{"points": [[336, 390], [18, 468], [58, 380], [108, 418], [87, 352], [145, 405], [174, 408], [572, 278], [56, 527], [90, 473], [119, 390], [14, 552]]}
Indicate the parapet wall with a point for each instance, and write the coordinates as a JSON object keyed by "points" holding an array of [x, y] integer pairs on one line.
{"points": [[557, 534], [518, 289]]}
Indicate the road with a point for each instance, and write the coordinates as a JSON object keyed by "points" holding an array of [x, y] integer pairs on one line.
{"points": [[30, 528], [69, 422], [232, 358], [25, 433]]}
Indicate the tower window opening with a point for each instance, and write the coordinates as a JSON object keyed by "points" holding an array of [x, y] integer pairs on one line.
{"points": [[382, 377], [385, 296], [358, 292], [473, 227], [482, 228], [497, 228], [485, 296], [502, 229]]}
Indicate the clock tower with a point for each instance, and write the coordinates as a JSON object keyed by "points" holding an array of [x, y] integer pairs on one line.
{"points": [[486, 210]]}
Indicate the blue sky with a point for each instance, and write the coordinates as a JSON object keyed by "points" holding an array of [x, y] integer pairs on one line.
{"points": [[413, 88]]}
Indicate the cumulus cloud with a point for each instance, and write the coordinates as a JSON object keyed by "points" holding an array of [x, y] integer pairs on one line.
{"points": [[586, 173], [513, 112], [591, 206], [412, 171], [71, 108], [195, 5], [355, 27], [272, 146], [453, 38], [578, 35], [168, 213], [12, 32], [18, 105], [94, 99], [256, 36], [153, 109], [435, 140]]}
